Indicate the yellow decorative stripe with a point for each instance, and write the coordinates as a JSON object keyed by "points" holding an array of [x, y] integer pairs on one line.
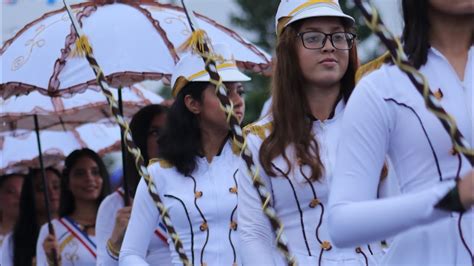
{"points": [[310, 3], [204, 72], [66, 241], [153, 160], [182, 81], [179, 84], [285, 19], [113, 251]]}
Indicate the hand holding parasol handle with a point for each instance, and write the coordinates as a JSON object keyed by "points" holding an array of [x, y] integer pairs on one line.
{"points": [[84, 47], [45, 188]]}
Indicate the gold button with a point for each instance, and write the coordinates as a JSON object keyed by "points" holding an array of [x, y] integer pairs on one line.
{"points": [[233, 190], [438, 94], [314, 203], [233, 225], [326, 245], [203, 227], [198, 194]]}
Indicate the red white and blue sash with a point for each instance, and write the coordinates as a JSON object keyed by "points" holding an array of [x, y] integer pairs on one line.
{"points": [[73, 228], [160, 232]]}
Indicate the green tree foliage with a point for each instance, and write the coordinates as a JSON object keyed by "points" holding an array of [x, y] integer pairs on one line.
{"points": [[258, 17]]}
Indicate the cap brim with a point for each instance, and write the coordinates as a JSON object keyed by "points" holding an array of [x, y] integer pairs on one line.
{"points": [[321, 12], [227, 75]]}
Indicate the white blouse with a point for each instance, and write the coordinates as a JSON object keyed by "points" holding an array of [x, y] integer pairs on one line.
{"points": [[202, 207], [158, 250], [6, 250], [300, 204], [387, 115], [75, 246]]}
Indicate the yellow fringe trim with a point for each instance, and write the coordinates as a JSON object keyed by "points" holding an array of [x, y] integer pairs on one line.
{"points": [[82, 47], [372, 65], [195, 42], [235, 148], [259, 130], [163, 163]]}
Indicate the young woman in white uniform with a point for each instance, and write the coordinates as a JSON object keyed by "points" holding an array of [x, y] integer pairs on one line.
{"points": [[113, 217], [196, 173], [386, 114], [83, 186], [296, 144], [19, 247]]}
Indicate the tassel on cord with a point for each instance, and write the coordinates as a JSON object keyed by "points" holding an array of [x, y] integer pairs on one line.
{"points": [[195, 42], [82, 48]]}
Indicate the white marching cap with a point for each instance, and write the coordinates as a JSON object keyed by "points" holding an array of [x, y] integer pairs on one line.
{"points": [[191, 68], [290, 11]]}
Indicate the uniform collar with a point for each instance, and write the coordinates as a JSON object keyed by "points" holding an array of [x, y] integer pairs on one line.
{"points": [[337, 109], [436, 52], [224, 142]]}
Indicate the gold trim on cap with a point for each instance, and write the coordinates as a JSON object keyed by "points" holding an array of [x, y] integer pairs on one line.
{"points": [[204, 72], [310, 3], [285, 19], [182, 81], [178, 85]]}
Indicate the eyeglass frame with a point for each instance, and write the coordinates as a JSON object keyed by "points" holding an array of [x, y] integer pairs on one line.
{"points": [[326, 35]]}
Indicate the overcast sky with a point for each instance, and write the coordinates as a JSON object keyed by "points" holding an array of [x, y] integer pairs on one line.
{"points": [[15, 16]]}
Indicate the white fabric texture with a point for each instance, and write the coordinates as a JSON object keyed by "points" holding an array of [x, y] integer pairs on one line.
{"points": [[73, 251], [387, 115], [158, 250], [219, 244], [148, 52], [6, 251], [292, 204], [18, 155]]}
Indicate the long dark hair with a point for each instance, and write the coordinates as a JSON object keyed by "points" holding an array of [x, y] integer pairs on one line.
{"points": [[140, 125], [416, 31], [67, 203], [290, 123], [4, 178], [180, 142], [26, 230]]}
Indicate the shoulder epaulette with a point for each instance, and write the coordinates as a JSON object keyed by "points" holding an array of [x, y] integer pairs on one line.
{"points": [[163, 163], [372, 65], [259, 130]]}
